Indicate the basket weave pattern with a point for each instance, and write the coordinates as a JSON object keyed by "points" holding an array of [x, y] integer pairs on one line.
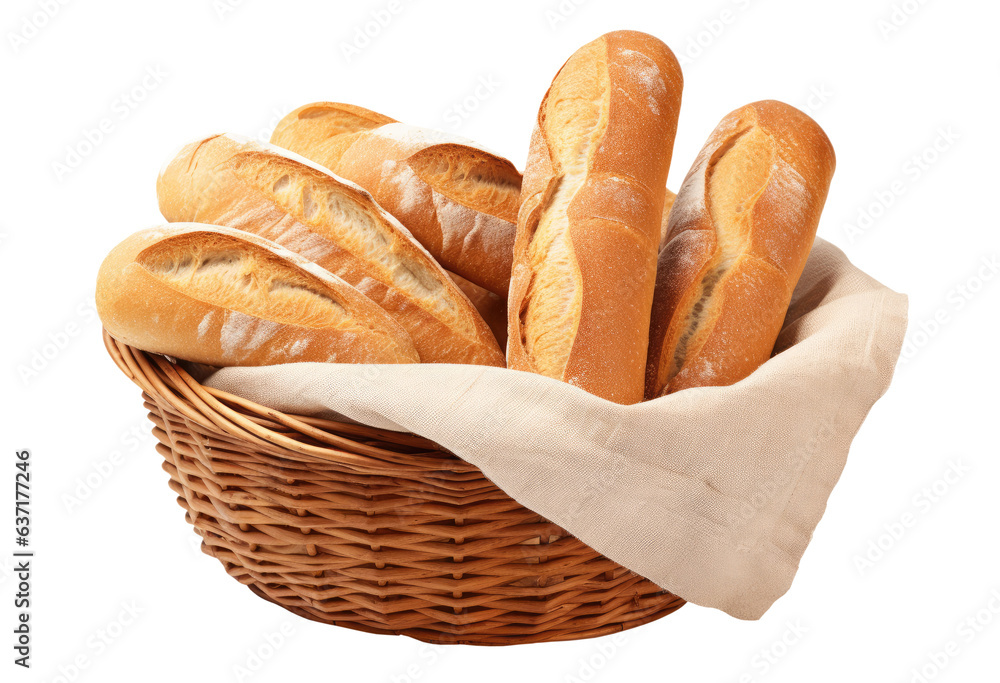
{"points": [[375, 530]]}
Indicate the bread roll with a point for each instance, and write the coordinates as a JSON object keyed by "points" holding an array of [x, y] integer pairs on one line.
{"points": [[217, 296], [589, 223], [492, 307], [228, 180], [459, 200], [740, 232]]}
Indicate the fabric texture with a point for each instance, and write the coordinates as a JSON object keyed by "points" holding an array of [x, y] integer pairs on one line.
{"points": [[711, 493]]}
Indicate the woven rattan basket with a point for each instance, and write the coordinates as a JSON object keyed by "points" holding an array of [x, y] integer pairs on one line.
{"points": [[375, 530]]}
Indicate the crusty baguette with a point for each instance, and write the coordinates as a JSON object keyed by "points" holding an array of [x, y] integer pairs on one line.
{"points": [[492, 307], [589, 223], [228, 180], [740, 232], [459, 200], [222, 297]]}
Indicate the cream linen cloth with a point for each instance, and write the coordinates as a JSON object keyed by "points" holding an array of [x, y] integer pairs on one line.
{"points": [[711, 493]]}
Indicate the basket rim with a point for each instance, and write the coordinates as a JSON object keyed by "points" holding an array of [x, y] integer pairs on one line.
{"points": [[353, 445]]}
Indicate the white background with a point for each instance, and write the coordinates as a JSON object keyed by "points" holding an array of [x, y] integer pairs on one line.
{"points": [[927, 454]]}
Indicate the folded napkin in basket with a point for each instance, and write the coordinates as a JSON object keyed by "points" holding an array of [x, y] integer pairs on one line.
{"points": [[711, 493]]}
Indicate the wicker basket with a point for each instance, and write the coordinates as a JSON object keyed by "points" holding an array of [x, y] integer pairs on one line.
{"points": [[375, 530]]}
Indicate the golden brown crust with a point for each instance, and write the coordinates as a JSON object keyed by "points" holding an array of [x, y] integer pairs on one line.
{"points": [[230, 181], [739, 236], [460, 201], [335, 118], [221, 297], [590, 216]]}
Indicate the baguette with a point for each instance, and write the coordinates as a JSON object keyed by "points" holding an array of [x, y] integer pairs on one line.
{"points": [[459, 200], [740, 233], [589, 223], [217, 296], [228, 180]]}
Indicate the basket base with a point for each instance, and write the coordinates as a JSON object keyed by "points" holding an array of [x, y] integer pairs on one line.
{"points": [[671, 603]]}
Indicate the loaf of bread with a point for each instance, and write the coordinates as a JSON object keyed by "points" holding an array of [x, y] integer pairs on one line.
{"points": [[459, 200], [233, 181], [740, 232], [221, 297], [589, 223]]}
